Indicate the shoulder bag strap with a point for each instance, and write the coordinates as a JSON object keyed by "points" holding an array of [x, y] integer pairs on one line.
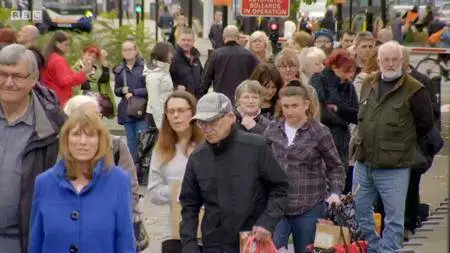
{"points": [[124, 74]]}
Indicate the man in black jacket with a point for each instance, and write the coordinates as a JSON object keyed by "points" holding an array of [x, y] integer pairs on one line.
{"points": [[235, 176], [216, 31], [30, 119], [186, 68], [413, 196], [228, 66]]}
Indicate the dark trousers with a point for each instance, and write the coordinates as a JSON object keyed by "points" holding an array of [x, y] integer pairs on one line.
{"points": [[348, 181], [413, 201]]}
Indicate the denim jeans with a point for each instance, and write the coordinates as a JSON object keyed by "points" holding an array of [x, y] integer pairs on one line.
{"points": [[392, 185], [131, 130], [302, 227]]}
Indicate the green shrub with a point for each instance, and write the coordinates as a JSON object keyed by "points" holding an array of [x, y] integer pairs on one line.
{"points": [[108, 38], [106, 35]]}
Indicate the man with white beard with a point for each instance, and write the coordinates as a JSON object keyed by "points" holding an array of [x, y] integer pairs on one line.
{"points": [[394, 111]]}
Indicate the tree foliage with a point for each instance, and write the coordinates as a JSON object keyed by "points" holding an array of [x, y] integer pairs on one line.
{"points": [[107, 34]]}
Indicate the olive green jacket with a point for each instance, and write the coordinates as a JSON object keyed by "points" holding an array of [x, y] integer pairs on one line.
{"points": [[386, 132]]}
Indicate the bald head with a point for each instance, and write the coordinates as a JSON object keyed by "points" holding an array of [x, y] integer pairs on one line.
{"points": [[385, 35], [231, 33], [28, 36]]}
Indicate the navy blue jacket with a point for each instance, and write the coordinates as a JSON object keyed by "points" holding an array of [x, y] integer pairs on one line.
{"points": [[96, 220], [136, 84]]}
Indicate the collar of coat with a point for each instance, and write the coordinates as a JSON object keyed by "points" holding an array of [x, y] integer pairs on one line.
{"points": [[221, 146]]}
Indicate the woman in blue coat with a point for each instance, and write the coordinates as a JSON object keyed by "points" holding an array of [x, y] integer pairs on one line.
{"points": [[83, 203]]}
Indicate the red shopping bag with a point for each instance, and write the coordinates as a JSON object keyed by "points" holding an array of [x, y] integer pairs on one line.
{"points": [[355, 247], [254, 246]]}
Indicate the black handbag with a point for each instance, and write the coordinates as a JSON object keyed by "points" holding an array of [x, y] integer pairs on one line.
{"points": [[142, 238], [136, 106]]}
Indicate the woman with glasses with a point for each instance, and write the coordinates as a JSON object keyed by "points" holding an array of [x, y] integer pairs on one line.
{"points": [[288, 65], [248, 98], [178, 137]]}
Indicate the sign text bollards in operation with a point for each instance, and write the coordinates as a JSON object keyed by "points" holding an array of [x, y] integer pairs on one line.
{"points": [[265, 8]]}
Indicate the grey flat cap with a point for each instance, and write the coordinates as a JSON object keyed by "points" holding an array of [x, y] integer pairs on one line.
{"points": [[212, 106]]}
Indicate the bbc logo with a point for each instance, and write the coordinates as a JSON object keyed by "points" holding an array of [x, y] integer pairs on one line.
{"points": [[26, 15]]}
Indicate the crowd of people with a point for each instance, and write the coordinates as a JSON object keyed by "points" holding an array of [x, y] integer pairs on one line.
{"points": [[276, 140]]}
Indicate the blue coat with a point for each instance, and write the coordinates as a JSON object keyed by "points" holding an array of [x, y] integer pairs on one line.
{"points": [[98, 220]]}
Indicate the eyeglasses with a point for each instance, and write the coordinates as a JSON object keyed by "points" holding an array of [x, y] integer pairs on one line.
{"points": [[172, 112], [16, 78], [213, 123]]}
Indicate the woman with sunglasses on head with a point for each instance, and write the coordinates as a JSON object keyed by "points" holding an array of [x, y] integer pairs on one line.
{"points": [[270, 79], [178, 137]]}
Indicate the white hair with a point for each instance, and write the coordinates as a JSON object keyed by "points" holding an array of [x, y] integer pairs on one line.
{"points": [[261, 36], [391, 45], [12, 54], [77, 101], [309, 56]]}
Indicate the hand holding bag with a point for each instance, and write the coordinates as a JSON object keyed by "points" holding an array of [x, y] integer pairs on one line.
{"points": [[136, 106], [249, 244]]}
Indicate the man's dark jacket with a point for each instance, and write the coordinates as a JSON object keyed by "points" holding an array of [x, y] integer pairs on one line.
{"points": [[216, 36], [41, 152], [239, 183], [227, 67], [187, 71]]}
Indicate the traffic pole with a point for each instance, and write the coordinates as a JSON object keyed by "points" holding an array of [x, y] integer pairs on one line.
{"points": [[339, 19], [351, 15], [120, 12], [383, 13], [191, 3], [369, 17], [156, 20], [143, 12]]}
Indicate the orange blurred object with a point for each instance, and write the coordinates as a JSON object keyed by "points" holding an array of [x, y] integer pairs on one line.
{"points": [[223, 2], [377, 219]]}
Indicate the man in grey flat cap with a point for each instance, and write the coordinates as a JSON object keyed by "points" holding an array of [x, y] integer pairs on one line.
{"points": [[235, 176]]}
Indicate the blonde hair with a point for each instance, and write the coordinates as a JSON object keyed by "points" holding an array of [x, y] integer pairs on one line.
{"points": [[301, 39], [259, 35], [250, 86], [311, 55], [87, 122], [287, 57]]}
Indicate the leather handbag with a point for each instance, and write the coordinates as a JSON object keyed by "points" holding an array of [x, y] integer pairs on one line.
{"points": [[136, 106]]}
